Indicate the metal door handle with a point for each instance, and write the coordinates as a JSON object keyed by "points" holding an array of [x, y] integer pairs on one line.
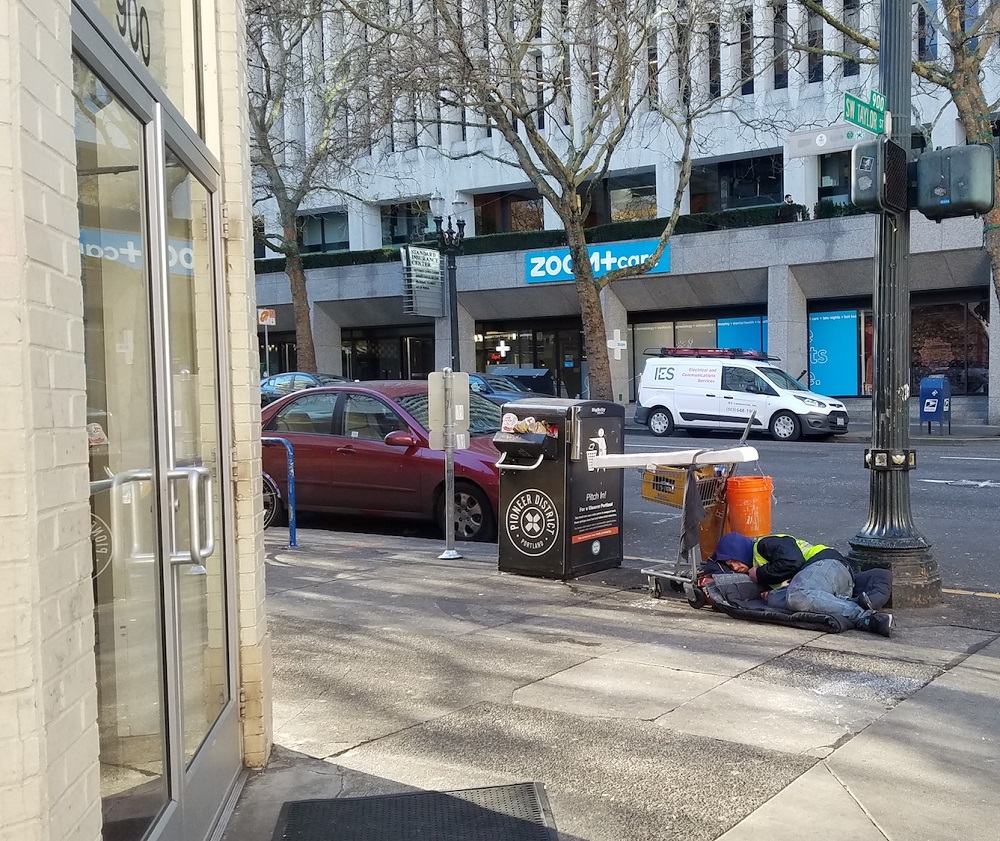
{"points": [[346, 450], [504, 466], [199, 482], [711, 395]]}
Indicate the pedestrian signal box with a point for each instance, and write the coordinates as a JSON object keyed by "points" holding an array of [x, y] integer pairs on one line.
{"points": [[955, 182], [878, 176]]}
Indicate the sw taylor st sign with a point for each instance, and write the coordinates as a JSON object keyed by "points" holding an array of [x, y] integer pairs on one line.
{"points": [[555, 264]]}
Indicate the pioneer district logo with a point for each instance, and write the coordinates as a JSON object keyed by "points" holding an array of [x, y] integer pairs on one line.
{"points": [[532, 522]]}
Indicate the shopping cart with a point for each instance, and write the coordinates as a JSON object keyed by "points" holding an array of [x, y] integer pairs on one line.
{"points": [[699, 490]]}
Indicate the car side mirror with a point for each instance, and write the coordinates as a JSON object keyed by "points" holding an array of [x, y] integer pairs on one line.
{"points": [[400, 438]]}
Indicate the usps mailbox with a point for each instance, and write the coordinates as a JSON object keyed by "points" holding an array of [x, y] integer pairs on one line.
{"points": [[935, 402]]}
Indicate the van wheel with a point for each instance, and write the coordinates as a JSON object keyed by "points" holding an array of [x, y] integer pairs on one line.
{"points": [[785, 427], [661, 423]]}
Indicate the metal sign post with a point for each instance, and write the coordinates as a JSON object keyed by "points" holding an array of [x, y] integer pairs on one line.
{"points": [[448, 422], [267, 318]]}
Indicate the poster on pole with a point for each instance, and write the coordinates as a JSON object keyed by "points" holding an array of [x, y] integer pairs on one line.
{"points": [[423, 287]]}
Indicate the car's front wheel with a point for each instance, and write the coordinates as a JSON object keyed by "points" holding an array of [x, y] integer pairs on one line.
{"points": [[785, 427], [474, 519]]}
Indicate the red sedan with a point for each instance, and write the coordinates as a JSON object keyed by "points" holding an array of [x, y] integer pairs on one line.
{"points": [[362, 448]]}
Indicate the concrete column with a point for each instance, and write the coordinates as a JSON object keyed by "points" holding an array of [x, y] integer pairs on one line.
{"points": [[801, 180], [667, 176], [466, 340], [365, 226], [550, 219], [326, 339], [993, 402], [787, 320], [616, 318]]}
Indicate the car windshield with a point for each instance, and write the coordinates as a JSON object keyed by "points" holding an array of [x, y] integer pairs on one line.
{"points": [[507, 384], [782, 379], [484, 416]]}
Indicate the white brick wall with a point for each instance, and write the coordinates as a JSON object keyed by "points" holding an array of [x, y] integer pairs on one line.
{"points": [[49, 784]]}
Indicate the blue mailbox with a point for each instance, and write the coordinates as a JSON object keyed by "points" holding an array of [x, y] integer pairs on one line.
{"points": [[935, 401]]}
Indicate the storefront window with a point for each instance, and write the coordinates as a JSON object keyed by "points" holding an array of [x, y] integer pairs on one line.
{"points": [[951, 340], [749, 182], [164, 35]]}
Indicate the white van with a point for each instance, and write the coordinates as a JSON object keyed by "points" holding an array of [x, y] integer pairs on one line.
{"points": [[710, 388]]}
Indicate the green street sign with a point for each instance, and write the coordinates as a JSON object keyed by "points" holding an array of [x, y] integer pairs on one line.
{"points": [[864, 114], [876, 100]]}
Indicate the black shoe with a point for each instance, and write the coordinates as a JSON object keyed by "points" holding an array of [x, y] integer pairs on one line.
{"points": [[880, 623], [865, 602]]}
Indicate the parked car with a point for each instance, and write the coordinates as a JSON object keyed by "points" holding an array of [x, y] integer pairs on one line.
{"points": [[363, 448], [499, 389], [279, 385]]}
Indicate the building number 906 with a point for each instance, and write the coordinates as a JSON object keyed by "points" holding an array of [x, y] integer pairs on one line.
{"points": [[133, 25]]}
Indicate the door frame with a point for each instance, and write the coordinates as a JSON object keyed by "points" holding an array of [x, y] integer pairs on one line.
{"points": [[197, 794]]}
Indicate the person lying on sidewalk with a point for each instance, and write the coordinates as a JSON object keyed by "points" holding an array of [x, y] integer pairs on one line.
{"points": [[798, 576]]}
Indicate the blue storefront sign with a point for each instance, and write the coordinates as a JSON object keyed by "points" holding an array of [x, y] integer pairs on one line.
{"points": [[555, 264], [833, 353], [744, 333]]}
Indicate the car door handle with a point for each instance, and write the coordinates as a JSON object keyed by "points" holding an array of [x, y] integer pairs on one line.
{"points": [[347, 450], [728, 397], [711, 395]]}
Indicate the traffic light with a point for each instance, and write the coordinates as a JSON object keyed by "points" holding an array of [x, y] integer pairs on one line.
{"points": [[878, 176], [955, 182]]}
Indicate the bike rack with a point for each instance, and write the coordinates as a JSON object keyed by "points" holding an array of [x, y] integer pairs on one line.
{"points": [[290, 461]]}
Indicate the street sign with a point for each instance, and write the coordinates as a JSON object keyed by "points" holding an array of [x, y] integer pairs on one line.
{"points": [[864, 114], [267, 318], [441, 415]]}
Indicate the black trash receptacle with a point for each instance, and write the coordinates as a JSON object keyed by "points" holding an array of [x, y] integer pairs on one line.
{"points": [[558, 519]]}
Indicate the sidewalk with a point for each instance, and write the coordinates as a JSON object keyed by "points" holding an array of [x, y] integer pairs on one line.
{"points": [[644, 719]]}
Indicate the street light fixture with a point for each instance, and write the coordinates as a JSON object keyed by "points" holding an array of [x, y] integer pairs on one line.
{"points": [[450, 244]]}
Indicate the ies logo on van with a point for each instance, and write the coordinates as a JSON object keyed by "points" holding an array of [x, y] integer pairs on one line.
{"points": [[661, 374]]}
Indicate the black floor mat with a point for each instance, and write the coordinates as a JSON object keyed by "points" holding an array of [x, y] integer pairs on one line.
{"points": [[498, 813]]}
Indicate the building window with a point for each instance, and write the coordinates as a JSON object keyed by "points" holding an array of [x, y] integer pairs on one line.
{"points": [[852, 19], [509, 211], [324, 232], [780, 44], [632, 197], [926, 32], [539, 92], [714, 61], [728, 185], [815, 42], [259, 245], [652, 59], [746, 51], [406, 222]]}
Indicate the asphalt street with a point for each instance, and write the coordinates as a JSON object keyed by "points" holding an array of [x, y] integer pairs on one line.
{"points": [[821, 492]]}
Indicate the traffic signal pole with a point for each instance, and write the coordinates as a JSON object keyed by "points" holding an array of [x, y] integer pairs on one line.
{"points": [[889, 538]]}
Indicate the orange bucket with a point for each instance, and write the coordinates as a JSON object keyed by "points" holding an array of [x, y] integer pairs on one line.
{"points": [[749, 503]]}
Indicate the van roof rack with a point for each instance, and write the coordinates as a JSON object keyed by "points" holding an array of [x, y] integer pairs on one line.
{"points": [[711, 353]]}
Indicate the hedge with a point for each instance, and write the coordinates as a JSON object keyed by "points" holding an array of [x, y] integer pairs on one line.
{"points": [[695, 223]]}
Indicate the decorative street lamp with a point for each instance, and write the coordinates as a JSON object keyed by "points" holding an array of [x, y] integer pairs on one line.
{"points": [[450, 244]]}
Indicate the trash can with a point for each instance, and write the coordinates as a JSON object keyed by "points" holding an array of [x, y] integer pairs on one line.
{"points": [[935, 401], [558, 519]]}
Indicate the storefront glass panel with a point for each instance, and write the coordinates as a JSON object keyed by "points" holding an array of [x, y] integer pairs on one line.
{"points": [[695, 333], [164, 36], [199, 583], [834, 354], [951, 340], [128, 619]]}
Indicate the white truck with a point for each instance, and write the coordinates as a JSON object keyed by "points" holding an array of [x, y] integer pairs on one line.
{"points": [[715, 388]]}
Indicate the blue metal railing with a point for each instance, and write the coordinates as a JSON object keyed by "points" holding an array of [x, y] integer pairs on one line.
{"points": [[290, 460]]}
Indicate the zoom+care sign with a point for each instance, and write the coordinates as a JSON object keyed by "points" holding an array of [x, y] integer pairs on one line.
{"points": [[555, 264]]}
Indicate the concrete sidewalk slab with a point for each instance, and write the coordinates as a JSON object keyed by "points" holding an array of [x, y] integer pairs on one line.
{"points": [[815, 807], [780, 718], [931, 767], [606, 779], [616, 689]]}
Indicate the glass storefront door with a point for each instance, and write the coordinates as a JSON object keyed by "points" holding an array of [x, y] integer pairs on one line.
{"points": [[148, 208]]}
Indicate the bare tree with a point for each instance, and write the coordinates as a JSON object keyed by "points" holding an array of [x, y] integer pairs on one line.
{"points": [[954, 48], [572, 87], [314, 112]]}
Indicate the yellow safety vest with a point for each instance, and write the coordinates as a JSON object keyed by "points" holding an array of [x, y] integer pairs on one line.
{"points": [[807, 548]]}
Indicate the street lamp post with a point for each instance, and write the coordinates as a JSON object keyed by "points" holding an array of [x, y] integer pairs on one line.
{"points": [[450, 244], [889, 537]]}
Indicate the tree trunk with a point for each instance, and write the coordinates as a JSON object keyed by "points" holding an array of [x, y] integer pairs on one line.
{"points": [[305, 350], [595, 340]]}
